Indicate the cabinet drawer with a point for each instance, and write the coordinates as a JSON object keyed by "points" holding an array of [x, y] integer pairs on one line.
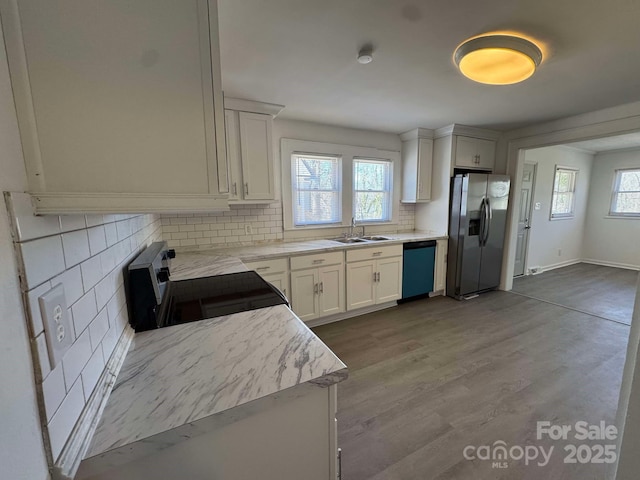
{"points": [[317, 260], [266, 267], [358, 254]]}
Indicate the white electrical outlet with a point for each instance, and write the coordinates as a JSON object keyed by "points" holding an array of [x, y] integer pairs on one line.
{"points": [[57, 327], [247, 229]]}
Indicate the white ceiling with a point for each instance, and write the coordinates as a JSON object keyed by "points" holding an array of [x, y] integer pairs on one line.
{"points": [[302, 54], [606, 144]]}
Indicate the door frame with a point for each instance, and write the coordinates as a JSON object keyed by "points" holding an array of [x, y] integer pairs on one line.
{"points": [[531, 203]]}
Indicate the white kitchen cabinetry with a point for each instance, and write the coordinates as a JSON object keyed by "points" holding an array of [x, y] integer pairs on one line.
{"points": [[275, 271], [250, 157], [417, 165], [475, 153], [123, 112], [374, 276], [440, 274], [317, 285]]}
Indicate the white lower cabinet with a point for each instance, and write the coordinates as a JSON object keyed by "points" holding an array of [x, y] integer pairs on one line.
{"points": [[274, 271], [376, 280], [317, 291]]}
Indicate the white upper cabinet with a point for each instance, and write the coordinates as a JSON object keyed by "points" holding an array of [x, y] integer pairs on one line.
{"points": [[417, 165], [475, 153], [119, 104], [250, 156]]}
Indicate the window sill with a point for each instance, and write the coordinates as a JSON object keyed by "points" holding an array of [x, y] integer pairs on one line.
{"points": [[342, 227], [553, 219], [623, 217]]}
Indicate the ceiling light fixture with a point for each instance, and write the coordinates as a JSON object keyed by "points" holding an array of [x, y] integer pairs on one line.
{"points": [[497, 59]]}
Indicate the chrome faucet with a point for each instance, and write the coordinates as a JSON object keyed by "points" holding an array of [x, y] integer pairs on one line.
{"points": [[352, 228]]}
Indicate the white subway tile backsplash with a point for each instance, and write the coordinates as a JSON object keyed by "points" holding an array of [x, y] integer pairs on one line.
{"points": [[68, 223], [84, 311], [65, 418], [97, 239], [76, 247], [72, 281], [42, 259], [91, 272], [98, 328], [94, 220], [27, 225], [76, 357], [53, 391], [111, 234], [92, 372]]}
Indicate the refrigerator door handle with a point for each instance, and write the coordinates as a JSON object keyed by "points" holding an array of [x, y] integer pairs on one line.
{"points": [[489, 217], [483, 222]]}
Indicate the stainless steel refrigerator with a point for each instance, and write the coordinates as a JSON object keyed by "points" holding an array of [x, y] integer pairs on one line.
{"points": [[477, 225]]}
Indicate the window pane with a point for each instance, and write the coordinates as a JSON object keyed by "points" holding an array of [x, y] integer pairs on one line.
{"points": [[627, 203], [564, 185], [372, 190], [316, 189], [629, 181]]}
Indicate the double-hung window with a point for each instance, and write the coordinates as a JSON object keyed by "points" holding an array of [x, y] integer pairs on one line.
{"points": [[372, 184], [625, 200], [564, 193], [316, 186]]}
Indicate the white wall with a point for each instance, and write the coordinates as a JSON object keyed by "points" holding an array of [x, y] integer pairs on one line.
{"points": [[21, 447], [610, 240], [549, 237]]}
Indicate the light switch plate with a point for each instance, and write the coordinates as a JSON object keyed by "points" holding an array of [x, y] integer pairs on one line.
{"points": [[57, 327], [537, 206]]}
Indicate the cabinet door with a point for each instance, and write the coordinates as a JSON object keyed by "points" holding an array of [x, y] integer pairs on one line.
{"points": [[304, 293], [360, 284], [125, 102], [280, 281], [331, 298], [486, 154], [234, 161], [425, 168], [440, 274], [257, 156], [389, 284]]}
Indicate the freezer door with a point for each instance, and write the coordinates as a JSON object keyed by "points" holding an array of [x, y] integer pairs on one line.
{"points": [[473, 226], [497, 200]]}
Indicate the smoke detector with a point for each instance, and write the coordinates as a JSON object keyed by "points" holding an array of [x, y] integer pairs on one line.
{"points": [[365, 55]]}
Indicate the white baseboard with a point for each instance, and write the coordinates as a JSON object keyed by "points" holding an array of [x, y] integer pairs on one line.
{"points": [[351, 313], [611, 264], [546, 268], [67, 465]]}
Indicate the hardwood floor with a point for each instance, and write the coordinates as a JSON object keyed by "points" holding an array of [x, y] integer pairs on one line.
{"points": [[603, 291], [428, 378]]}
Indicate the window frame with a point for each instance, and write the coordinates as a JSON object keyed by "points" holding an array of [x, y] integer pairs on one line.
{"points": [[572, 213], [388, 190], [338, 185], [289, 147], [617, 177]]}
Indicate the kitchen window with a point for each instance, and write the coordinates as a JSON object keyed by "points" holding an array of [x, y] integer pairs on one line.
{"points": [[325, 185], [316, 189], [564, 192], [372, 185], [625, 200]]}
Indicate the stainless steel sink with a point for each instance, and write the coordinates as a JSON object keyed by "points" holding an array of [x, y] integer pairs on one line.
{"points": [[349, 240], [375, 238]]}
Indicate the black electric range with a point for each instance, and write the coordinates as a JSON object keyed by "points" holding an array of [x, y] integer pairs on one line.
{"points": [[156, 301]]}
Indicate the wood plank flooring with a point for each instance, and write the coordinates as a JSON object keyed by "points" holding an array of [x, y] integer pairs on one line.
{"points": [[604, 291], [428, 378]]}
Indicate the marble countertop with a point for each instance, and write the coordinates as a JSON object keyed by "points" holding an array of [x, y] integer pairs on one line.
{"points": [[285, 249], [176, 376]]}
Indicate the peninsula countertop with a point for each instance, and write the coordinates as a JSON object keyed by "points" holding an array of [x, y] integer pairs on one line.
{"points": [[179, 380]]}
